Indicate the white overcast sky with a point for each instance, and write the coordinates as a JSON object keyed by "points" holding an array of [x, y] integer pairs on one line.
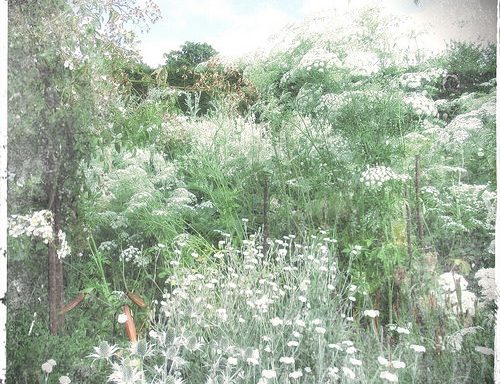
{"points": [[237, 27]]}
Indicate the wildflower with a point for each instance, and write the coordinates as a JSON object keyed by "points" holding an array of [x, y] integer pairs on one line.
{"points": [[222, 314], [232, 360], [276, 321], [300, 323], [398, 364], [268, 374], [141, 348], [484, 350], [252, 356], [417, 348], [354, 361], [390, 377], [64, 380], [402, 330], [332, 372], [295, 374], [352, 298], [350, 350], [335, 346], [349, 373], [486, 280], [125, 373], [122, 318], [52, 362], [104, 351], [383, 361], [293, 343], [287, 360], [320, 330], [316, 322], [47, 367], [371, 313]]}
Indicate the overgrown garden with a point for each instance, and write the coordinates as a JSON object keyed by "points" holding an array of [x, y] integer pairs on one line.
{"points": [[323, 213]]}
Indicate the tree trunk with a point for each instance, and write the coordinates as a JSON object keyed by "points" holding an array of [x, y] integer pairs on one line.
{"points": [[55, 288], [55, 272]]}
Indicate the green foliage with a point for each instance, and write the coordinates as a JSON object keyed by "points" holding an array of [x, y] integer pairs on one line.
{"points": [[313, 149], [180, 64]]}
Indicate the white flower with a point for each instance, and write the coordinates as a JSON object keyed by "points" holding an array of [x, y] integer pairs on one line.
{"points": [[398, 364], [232, 360], [295, 374], [449, 281], [253, 357], [390, 377], [383, 361], [354, 361], [52, 362], [371, 313], [268, 374], [293, 343], [402, 330], [222, 314], [320, 330], [122, 318], [287, 360], [349, 373], [104, 351], [350, 350], [316, 322], [64, 380], [276, 321], [417, 348], [332, 372], [484, 350], [47, 367], [300, 323]]}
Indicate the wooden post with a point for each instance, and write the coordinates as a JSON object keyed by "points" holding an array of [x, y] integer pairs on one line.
{"points": [[265, 215], [418, 212]]}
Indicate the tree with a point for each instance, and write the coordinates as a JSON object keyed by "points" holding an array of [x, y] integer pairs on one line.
{"points": [[180, 64], [60, 55]]}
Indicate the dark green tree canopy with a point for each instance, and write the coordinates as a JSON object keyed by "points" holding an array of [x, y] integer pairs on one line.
{"points": [[180, 63]]}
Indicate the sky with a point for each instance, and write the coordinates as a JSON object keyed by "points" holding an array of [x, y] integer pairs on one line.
{"points": [[238, 27]]}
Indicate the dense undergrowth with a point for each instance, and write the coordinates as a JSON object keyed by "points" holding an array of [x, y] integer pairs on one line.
{"points": [[338, 230]]}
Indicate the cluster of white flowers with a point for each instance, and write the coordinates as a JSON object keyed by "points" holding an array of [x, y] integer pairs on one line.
{"points": [[331, 102], [421, 104], [134, 255], [393, 365], [318, 60], [414, 80], [63, 248], [39, 225], [486, 280], [455, 340], [362, 63], [376, 176], [456, 297], [476, 199], [49, 365]]}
